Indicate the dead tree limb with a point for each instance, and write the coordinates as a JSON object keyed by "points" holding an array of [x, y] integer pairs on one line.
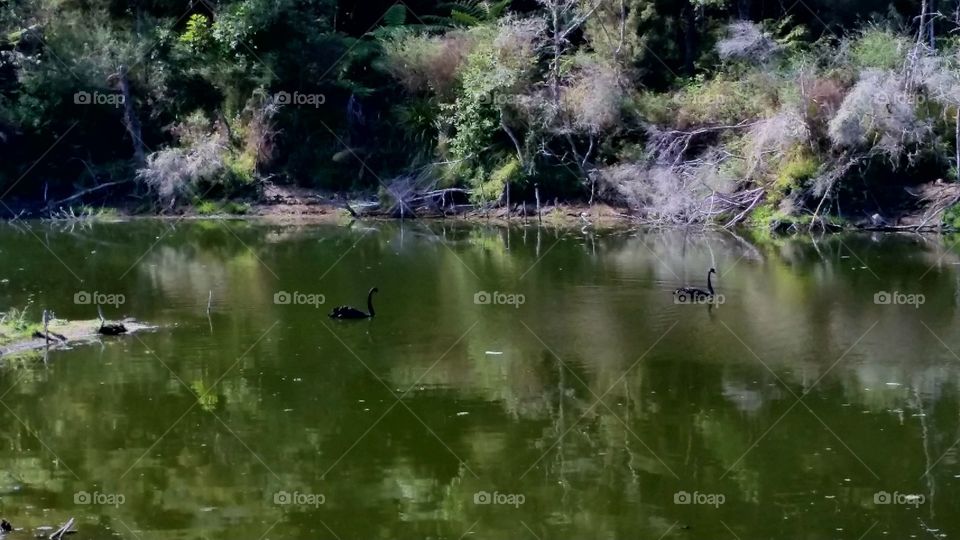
{"points": [[84, 192]]}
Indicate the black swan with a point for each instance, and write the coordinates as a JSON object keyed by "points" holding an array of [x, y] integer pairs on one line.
{"points": [[347, 312], [696, 293], [109, 328]]}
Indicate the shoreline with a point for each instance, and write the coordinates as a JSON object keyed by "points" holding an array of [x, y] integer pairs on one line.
{"points": [[286, 204], [570, 215]]}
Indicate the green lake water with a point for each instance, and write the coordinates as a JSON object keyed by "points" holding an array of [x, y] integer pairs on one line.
{"points": [[515, 383]]}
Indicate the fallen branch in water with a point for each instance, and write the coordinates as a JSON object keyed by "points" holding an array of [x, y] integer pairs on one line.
{"points": [[748, 209], [82, 193], [66, 528]]}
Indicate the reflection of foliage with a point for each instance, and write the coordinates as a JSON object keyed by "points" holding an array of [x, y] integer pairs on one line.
{"points": [[697, 401], [207, 398]]}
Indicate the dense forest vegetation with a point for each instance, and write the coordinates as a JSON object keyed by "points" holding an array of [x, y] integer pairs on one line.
{"points": [[683, 111]]}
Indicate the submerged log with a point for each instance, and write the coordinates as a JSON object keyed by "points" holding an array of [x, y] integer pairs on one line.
{"points": [[49, 336]]}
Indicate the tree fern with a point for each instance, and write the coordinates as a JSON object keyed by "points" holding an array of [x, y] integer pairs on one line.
{"points": [[475, 12], [395, 16]]}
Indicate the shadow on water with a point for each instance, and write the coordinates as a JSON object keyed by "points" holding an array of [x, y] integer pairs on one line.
{"points": [[521, 381]]}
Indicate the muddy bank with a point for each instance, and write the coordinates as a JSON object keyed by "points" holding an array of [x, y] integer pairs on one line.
{"points": [[60, 334], [927, 207]]}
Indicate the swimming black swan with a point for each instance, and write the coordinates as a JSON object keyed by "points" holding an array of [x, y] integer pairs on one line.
{"points": [[696, 293], [347, 312]]}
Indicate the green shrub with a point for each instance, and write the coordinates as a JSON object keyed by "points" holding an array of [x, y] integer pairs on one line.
{"points": [[207, 208], [490, 188], [879, 49], [236, 208], [239, 171], [794, 171], [951, 217]]}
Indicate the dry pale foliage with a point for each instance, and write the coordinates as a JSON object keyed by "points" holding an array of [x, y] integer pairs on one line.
{"points": [[768, 139], [519, 41], [661, 194], [746, 41], [593, 99], [174, 171], [424, 63], [879, 114]]}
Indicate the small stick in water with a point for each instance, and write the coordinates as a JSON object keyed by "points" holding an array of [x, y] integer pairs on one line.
{"points": [[536, 192], [46, 327], [209, 303]]}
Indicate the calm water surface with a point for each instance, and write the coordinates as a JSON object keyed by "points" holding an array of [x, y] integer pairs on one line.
{"points": [[592, 407]]}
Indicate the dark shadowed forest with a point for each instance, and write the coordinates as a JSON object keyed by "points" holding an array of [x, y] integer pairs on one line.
{"points": [[808, 113]]}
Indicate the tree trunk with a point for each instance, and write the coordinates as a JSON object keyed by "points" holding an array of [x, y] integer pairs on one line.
{"points": [[689, 37], [933, 9], [956, 136], [130, 120], [743, 9], [923, 22]]}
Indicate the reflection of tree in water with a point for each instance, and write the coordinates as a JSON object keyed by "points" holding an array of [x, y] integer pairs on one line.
{"points": [[699, 401]]}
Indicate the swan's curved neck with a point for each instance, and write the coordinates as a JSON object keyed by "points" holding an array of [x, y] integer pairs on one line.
{"points": [[370, 303], [710, 283]]}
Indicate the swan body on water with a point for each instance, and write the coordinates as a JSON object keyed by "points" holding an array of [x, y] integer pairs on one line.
{"points": [[696, 293], [348, 312]]}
